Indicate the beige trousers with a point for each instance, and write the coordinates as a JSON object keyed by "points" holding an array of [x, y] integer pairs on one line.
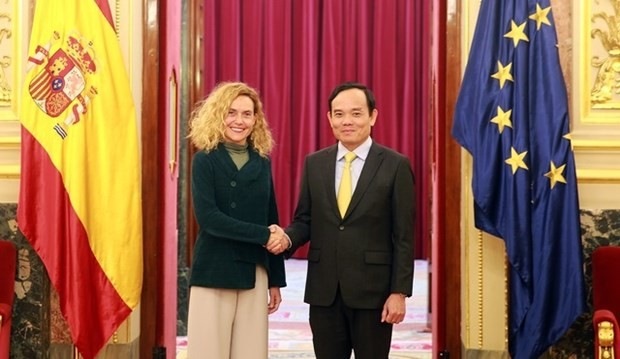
{"points": [[228, 323]]}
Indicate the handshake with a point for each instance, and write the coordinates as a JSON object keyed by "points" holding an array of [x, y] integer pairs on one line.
{"points": [[278, 240]]}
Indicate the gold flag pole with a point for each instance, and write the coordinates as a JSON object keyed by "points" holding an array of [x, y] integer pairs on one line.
{"points": [[480, 290]]}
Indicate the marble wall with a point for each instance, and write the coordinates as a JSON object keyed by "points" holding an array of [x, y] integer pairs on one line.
{"points": [[598, 228], [39, 331], [30, 331], [182, 299]]}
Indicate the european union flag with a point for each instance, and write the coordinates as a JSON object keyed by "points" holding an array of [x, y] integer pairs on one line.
{"points": [[512, 116]]}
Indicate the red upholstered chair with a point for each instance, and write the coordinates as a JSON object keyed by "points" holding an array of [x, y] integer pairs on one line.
{"points": [[8, 260], [606, 298]]}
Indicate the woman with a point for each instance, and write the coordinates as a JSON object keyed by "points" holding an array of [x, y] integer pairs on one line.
{"points": [[234, 204]]}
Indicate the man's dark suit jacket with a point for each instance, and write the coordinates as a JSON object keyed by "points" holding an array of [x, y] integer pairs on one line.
{"points": [[369, 252]]}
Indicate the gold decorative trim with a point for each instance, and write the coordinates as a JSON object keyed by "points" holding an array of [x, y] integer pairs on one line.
{"points": [[172, 121], [604, 91], [468, 21], [598, 175], [7, 92], [10, 142], [127, 338], [132, 42], [484, 353], [592, 111], [465, 38], [117, 18], [506, 298], [595, 145], [13, 45], [9, 171], [480, 291], [467, 219]]}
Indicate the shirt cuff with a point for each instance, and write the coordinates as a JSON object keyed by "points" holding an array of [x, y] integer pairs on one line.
{"points": [[290, 243]]}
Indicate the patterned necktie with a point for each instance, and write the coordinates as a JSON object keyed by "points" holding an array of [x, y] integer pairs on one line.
{"points": [[344, 191]]}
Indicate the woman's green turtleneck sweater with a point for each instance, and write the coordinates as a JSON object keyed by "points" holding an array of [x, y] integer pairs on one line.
{"points": [[238, 153]]}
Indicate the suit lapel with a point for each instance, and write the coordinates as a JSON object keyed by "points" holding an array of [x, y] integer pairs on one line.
{"points": [[328, 175], [373, 161]]}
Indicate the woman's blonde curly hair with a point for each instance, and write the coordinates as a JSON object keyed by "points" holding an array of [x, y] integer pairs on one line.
{"points": [[207, 124]]}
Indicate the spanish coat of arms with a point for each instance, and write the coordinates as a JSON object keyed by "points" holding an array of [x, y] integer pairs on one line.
{"points": [[62, 80]]}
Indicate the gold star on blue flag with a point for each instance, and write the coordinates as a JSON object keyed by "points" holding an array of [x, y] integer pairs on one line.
{"points": [[527, 197]]}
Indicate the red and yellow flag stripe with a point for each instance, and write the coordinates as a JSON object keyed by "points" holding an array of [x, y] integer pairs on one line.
{"points": [[80, 195]]}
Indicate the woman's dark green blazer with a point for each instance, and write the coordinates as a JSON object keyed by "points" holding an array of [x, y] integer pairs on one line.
{"points": [[234, 209]]}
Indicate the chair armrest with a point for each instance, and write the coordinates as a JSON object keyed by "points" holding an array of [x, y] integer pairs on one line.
{"points": [[606, 334], [603, 314]]}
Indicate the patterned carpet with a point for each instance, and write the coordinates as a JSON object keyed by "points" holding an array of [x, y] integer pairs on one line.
{"points": [[289, 332]]}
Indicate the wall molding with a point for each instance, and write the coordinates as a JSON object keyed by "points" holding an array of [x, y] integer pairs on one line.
{"points": [[582, 145], [9, 171], [611, 176], [10, 142]]}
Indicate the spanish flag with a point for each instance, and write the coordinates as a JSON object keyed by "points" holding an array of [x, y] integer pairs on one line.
{"points": [[80, 195]]}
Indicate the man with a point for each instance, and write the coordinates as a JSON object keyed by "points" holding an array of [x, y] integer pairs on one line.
{"points": [[360, 261]]}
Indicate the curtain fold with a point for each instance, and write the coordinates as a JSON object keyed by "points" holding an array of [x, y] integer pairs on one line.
{"points": [[295, 51]]}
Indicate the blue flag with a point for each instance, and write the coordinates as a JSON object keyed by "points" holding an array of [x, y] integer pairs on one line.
{"points": [[512, 116]]}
